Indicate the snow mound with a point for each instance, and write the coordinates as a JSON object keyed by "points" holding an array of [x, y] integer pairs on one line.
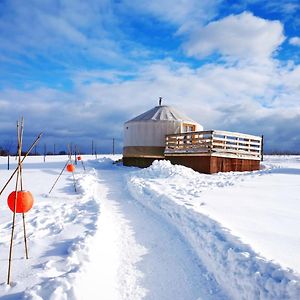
{"points": [[164, 168], [104, 163], [236, 267], [69, 227]]}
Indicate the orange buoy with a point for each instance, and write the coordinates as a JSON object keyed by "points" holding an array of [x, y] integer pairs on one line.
{"points": [[70, 168], [78, 157], [24, 201]]}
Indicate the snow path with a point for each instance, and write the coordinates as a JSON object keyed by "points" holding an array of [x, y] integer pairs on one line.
{"points": [[137, 255]]}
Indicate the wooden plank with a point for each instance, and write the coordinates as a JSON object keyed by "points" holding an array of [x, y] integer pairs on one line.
{"points": [[229, 155], [182, 142], [213, 144], [228, 140], [236, 134], [219, 132], [235, 146], [194, 132], [237, 152]]}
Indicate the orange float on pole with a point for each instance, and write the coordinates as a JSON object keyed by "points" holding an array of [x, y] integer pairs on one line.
{"points": [[24, 201], [70, 168], [12, 201], [19, 201], [79, 158]]}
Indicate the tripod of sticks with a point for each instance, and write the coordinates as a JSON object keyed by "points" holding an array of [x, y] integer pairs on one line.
{"points": [[68, 162], [79, 157], [18, 184]]}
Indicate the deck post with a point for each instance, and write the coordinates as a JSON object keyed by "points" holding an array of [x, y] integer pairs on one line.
{"points": [[262, 147]]}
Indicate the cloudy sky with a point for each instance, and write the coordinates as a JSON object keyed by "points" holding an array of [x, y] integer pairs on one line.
{"points": [[79, 69]]}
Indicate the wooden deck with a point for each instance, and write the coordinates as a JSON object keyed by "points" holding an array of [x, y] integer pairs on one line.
{"points": [[208, 151], [214, 151], [214, 143]]}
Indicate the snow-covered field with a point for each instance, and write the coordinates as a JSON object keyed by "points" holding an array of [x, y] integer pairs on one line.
{"points": [[165, 232]]}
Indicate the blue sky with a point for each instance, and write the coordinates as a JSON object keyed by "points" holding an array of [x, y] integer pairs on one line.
{"points": [[79, 69]]}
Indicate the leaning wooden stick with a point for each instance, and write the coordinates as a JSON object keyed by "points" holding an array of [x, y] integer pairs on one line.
{"points": [[69, 152], [21, 183], [15, 204], [58, 176], [17, 168], [25, 236], [80, 158], [70, 160]]}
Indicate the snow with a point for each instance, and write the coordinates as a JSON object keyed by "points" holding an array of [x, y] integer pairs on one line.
{"points": [[99, 241], [243, 226], [59, 228], [137, 250], [165, 232]]}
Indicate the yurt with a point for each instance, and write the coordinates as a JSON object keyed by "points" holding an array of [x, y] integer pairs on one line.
{"points": [[145, 135]]}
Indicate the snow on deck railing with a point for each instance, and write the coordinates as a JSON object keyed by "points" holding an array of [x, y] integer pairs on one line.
{"points": [[215, 143]]}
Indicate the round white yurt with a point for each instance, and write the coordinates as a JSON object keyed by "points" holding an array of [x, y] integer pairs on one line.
{"points": [[145, 135]]}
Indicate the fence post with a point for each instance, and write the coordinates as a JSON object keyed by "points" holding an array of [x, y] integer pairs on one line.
{"points": [[262, 147], [113, 146]]}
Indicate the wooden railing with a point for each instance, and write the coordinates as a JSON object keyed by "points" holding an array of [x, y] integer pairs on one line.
{"points": [[215, 142]]}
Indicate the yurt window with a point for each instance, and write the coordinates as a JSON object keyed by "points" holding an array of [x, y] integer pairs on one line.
{"points": [[188, 127]]}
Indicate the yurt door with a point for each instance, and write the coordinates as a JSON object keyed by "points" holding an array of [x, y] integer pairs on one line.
{"points": [[188, 128]]}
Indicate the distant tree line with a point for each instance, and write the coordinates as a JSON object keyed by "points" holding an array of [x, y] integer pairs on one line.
{"points": [[9, 148], [6, 152]]}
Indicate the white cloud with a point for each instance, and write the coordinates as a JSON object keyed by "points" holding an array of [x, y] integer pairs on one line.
{"points": [[247, 98], [243, 36], [68, 31], [295, 41], [287, 7]]}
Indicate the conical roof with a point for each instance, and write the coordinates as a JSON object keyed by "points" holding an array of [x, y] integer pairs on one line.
{"points": [[162, 113]]}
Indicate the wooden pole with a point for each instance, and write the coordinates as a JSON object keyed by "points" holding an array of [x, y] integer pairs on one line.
{"points": [[8, 161], [17, 168], [82, 163], [92, 147], [75, 155], [21, 182], [69, 153], [15, 205], [262, 147], [70, 160], [25, 236], [113, 146], [45, 150]]}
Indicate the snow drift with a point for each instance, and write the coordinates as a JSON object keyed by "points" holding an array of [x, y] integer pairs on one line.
{"points": [[75, 224]]}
